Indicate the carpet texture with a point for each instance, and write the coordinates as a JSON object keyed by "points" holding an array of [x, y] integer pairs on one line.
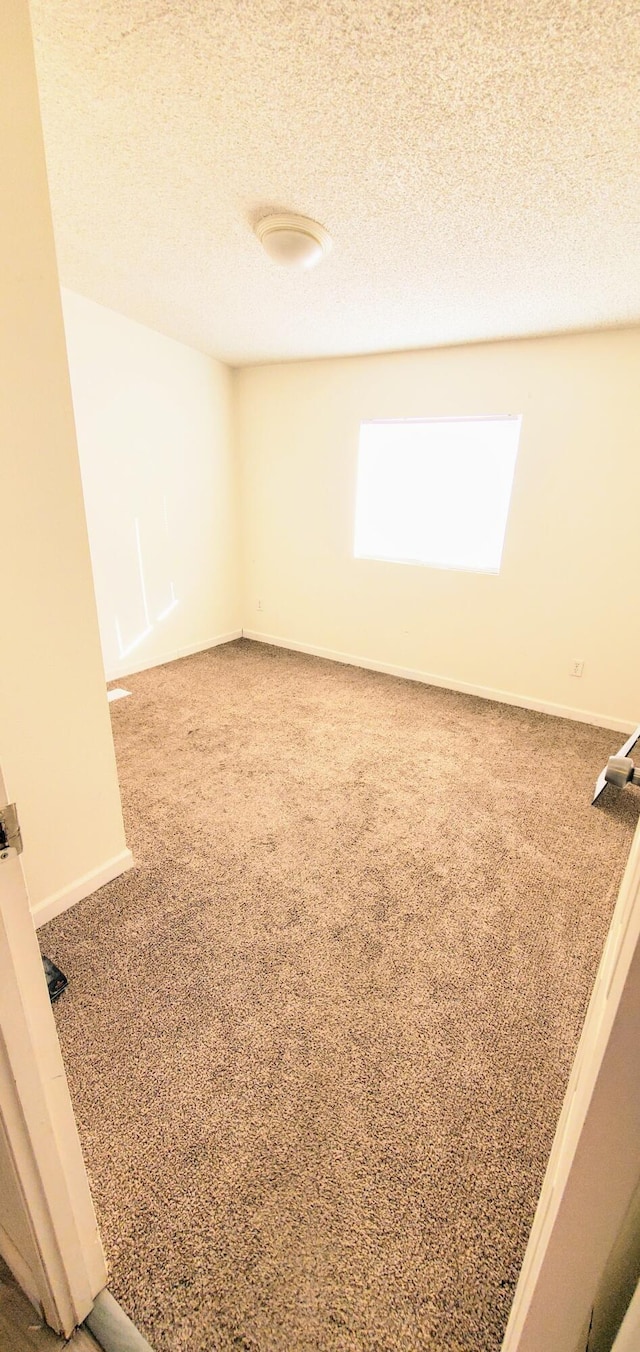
{"points": [[318, 1040]]}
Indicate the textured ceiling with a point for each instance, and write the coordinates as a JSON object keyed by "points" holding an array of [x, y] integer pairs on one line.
{"points": [[477, 165]]}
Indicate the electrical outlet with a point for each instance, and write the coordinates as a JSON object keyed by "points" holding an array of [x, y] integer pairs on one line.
{"points": [[259, 605], [577, 666]]}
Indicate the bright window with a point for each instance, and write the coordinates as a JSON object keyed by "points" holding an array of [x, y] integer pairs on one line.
{"points": [[436, 491]]}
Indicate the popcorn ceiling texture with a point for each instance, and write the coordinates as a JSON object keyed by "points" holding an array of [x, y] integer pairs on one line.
{"points": [[477, 165], [318, 1040]]}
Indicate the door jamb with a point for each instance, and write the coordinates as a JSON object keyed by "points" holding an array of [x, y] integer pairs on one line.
{"points": [[597, 1128], [40, 1127]]}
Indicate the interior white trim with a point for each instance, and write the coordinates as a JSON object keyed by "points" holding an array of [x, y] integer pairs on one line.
{"points": [[112, 1328], [19, 1268], [596, 1133], [81, 888], [449, 683], [129, 669], [50, 1218], [118, 692]]}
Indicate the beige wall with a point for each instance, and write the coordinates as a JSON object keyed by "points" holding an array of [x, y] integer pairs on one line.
{"points": [[568, 585], [56, 749], [153, 421]]}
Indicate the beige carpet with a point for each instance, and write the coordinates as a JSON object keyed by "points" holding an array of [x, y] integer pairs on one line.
{"points": [[318, 1041]]}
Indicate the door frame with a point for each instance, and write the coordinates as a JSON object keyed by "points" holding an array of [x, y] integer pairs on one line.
{"points": [[64, 1268], [594, 1166]]}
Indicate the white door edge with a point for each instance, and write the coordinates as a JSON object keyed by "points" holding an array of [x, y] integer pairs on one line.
{"points": [[598, 1119], [39, 1126]]}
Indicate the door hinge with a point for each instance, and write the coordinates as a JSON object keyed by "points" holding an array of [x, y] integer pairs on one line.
{"points": [[10, 837]]}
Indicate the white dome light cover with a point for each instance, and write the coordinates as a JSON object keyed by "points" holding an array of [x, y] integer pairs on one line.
{"points": [[293, 241]]}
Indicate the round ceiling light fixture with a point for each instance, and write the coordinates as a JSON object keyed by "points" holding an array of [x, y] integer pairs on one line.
{"points": [[293, 241]]}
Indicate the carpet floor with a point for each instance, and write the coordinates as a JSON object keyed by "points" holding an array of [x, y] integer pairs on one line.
{"points": [[317, 1042]]}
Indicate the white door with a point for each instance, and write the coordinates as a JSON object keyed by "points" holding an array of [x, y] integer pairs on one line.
{"points": [[48, 1230], [594, 1167]]}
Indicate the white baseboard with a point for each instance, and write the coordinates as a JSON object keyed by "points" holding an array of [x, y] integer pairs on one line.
{"points": [[81, 888], [126, 668], [449, 683]]}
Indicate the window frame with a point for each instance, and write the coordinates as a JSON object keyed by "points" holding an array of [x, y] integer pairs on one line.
{"points": [[420, 420]]}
